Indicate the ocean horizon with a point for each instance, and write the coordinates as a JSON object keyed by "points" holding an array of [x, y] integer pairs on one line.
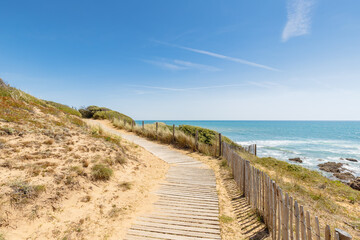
{"points": [[314, 141]]}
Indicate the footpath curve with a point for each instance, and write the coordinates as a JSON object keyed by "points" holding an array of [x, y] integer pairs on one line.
{"points": [[188, 205]]}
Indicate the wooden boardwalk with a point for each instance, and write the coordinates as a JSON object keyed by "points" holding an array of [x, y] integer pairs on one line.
{"points": [[187, 207]]}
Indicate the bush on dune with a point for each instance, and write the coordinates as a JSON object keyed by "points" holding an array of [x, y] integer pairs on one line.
{"points": [[103, 113]]}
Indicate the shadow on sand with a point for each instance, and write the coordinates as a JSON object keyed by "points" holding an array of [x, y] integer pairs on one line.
{"points": [[251, 226]]}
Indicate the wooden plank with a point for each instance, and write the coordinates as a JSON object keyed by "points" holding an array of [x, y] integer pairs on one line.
{"points": [[317, 229], [182, 219], [189, 228], [158, 235], [308, 226], [286, 218], [173, 132], [302, 223], [279, 203], [274, 208], [343, 235], [181, 214], [220, 151], [291, 219], [187, 204], [297, 221], [180, 222], [327, 233], [196, 139], [188, 209], [179, 232], [337, 236]]}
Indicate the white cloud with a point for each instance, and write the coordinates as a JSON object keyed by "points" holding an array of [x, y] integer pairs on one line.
{"points": [[196, 66], [298, 18], [165, 65], [181, 65], [188, 89], [216, 55]]}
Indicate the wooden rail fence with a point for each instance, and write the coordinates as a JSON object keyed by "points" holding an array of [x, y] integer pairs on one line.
{"points": [[283, 216]]}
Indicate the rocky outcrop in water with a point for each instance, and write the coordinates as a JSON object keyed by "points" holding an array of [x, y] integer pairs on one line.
{"points": [[349, 159], [331, 167], [346, 176], [295, 160]]}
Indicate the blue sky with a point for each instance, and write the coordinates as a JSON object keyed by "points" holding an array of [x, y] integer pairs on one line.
{"points": [[196, 59]]}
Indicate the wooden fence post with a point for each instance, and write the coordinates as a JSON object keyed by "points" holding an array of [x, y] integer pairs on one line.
{"points": [[291, 219], [308, 225], [255, 149], [327, 233], [143, 125], [282, 214], [196, 139], [173, 132], [317, 229], [132, 125], [157, 126], [342, 234], [220, 152], [302, 223], [297, 221]]}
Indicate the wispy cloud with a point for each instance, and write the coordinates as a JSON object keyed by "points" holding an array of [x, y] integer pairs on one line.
{"points": [[188, 89], [298, 18], [216, 55], [182, 65], [165, 65]]}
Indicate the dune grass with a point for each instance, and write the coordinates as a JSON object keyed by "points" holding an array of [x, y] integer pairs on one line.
{"points": [[333, 201], [18, 106], [164, 135], [64, 108]]}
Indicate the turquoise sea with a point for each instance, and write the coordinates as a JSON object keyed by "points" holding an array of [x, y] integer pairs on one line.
{"points": [[313, 141]]}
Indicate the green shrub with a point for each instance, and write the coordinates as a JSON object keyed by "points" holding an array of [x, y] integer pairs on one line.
{"points": [[23, 191], [206, 136], [101, 172], [103, 113], [112, 115], [91, 110]]}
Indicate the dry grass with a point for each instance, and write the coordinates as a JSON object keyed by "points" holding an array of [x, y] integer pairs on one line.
{"points": [[101, 172], [335, 203], [47, 161], [165, 135]]}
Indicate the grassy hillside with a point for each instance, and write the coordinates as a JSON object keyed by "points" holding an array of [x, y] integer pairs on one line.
{"points": [[334, 202], [60, 179]]}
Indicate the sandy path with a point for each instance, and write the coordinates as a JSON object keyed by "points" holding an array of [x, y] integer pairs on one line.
{"points": [[188, 205]]}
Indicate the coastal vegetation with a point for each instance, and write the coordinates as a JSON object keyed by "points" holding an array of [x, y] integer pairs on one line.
{"points": [[103, 113], [336, 202], [60, 179]]}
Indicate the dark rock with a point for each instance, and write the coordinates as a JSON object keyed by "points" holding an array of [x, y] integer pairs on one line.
{"points": [[344, 176], [332, 167], [296, 160], [351, 159], [355, 184]]}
